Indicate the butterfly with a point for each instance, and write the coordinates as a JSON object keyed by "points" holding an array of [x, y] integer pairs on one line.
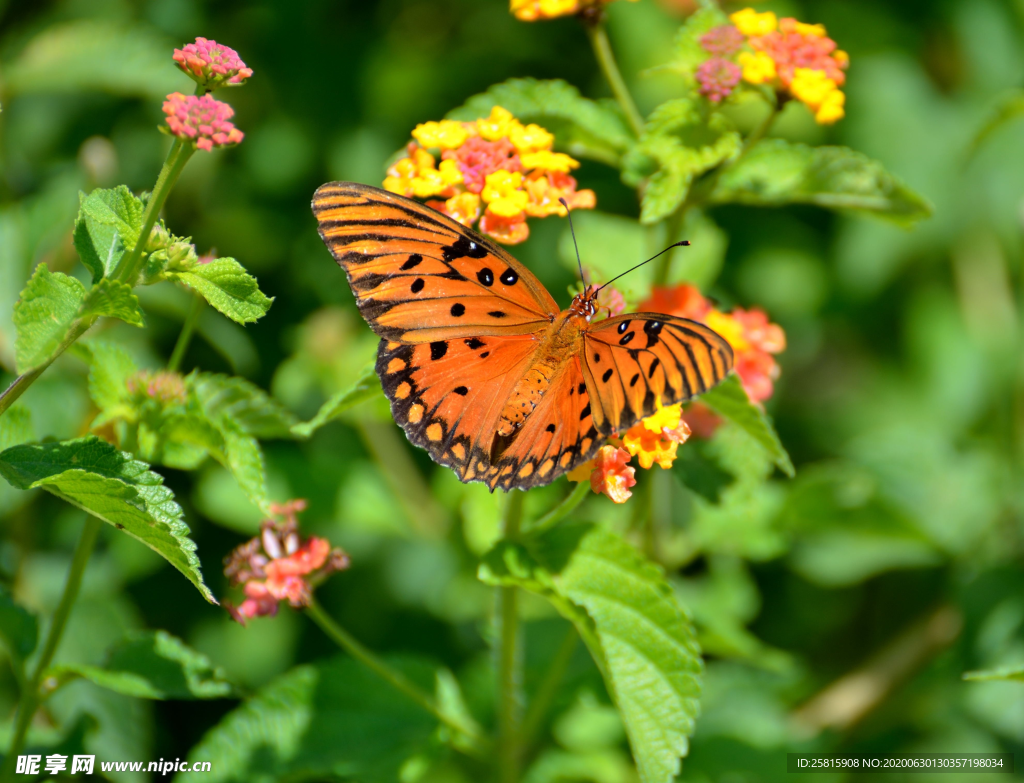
{"points": [[482, 368]]}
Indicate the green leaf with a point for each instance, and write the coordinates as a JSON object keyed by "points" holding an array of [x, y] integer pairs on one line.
{"points": [[583, 127], [333, 719], [110, 367], [109, 222], [256, 412], [93, 475], [678, 144], [226, 285], [626, 613], [153, 665], [96, 55], [43, 315], [19, 628], [776, 172], [1009, 108], [112, 299], [729, 399], [364, 389], [1002, 673], [16, 427], [244, 458]]}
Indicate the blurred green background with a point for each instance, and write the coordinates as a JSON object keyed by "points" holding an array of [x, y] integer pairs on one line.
{"points": [[893, 559]]}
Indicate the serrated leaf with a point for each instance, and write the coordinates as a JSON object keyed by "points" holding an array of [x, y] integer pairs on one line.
{"points": [[19, 628], [729, 399], [365, 388], [110, 367], [627, 614], [95, 55], [334, 719], [226, 285], [112, 299], [776, 172], [93, 475], [256, 412], [47, 307], [1002, 673], [109, 222], [153, 665], [244, 458], [583, 127]]}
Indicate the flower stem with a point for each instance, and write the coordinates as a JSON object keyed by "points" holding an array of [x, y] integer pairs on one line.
{"points": [[562, 510], [29, 701], [187, 329], [510, 677], [181, 151], [606, 59], [394, 678], [549, 687]]}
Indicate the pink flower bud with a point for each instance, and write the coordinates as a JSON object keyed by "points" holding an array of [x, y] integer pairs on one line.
{"points": [[211, 64], [201, 119]]}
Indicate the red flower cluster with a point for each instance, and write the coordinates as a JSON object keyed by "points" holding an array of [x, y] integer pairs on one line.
{"points": [[201, 119], [211, 64], [162, 386], [278, 565]]}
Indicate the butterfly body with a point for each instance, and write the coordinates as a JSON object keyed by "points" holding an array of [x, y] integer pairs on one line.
{"points": [[481, 367]]}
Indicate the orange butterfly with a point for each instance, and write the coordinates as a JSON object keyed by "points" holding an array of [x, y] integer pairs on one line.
{"points": [[481, 367]]}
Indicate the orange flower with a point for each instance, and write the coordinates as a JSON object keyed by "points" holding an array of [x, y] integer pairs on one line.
{"points": [[495, 169], [278, 566], [611, 474], [656, 439]]}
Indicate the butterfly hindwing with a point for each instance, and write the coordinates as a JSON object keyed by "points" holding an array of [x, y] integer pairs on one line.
{"points": [[419, 276], [632, 361]]}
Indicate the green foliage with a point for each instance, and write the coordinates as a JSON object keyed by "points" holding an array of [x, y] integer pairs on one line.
{"points": [[113, 299], [226, 285], [1003, 673], [729, 399], [19, 628], [109, 223], [43, 316], [330, 719], [639, 636], [94, 476], [689, 53], [152, 665], [776, 172], [365, 388], [583, 127]]}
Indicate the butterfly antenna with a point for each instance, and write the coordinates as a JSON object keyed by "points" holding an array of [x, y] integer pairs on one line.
{"points": [[568, 215], [677, 244]]}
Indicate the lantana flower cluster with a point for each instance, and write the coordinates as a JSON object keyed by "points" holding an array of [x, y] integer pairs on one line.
{"points": [[202, 119], [166, 387], [535, 10], [755, 341], [798, 60], [496, 170], [279, 565]]}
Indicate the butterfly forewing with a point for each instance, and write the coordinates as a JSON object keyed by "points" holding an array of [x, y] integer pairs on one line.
{"points": [[633, 361], [419, 276]]}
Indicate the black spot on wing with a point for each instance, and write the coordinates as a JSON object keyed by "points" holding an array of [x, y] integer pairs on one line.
{"points": [[607, 374], [497, 314], [458, 309], [414, 261], [417, 285], [486, 277], [509, 277], [626, 338], [462, 391], [438, 349], [463, 247], [474, 343]]}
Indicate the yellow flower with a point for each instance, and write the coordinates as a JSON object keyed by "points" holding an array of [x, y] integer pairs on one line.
{"points": [[498, 125], [650, 448], [817, 30], [528, 138], [446, 134], [729, 328], [758, 67], [751, 23], [841, 57], [502, 194], [465, 207], [666, 418], [581, 472], [549, 161], [400, 177], [429, 183], [831, 109], [450, 172], [811, 86]]}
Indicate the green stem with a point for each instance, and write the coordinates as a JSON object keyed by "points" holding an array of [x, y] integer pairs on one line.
{"points": [[510, 677], [394, 678], [404, 478], [562, 510], [549, 687], [29, 701], [181, 151], [606, 59], [187, 329], [674, 224]]}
